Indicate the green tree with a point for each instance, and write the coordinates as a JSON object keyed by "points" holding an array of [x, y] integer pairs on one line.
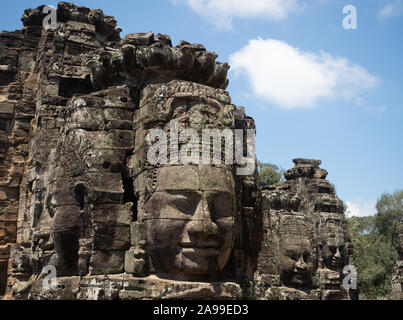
{"points": [[375, 239], [389, 219], [374, 257], [269, 174], [366, 225]]}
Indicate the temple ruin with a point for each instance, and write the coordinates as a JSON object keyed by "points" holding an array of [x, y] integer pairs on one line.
{"points": [[78, 195]]}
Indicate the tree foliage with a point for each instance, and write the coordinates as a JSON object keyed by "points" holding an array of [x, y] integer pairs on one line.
{"points": [[390, 215], [374, 258], [269, 174], [366, 225], [375, 239]]}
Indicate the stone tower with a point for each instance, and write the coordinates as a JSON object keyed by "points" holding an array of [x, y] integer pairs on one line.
{"points": [[86, 215], [79, 196], [306, 242]]}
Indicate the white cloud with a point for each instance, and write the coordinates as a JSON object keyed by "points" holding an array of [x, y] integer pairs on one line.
{"points": [[360, 208], [291, 78], [222, 12], [391, 9]]}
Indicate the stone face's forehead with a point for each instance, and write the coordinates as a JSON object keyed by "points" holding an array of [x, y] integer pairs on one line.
{"points": [[334, 239], [193, 177], [330, 216], [178, 178], [335, 242], [295, 245], [216, 179], [296, 242]]}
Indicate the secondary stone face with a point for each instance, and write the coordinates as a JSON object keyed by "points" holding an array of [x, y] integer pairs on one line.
{"points": [[78, 194], [306, 242]]}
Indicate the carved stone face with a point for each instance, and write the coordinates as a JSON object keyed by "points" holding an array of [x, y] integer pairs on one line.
{"points": [[332, 256], [296, 262], [333, 246], [333, 253], [190, 220]]}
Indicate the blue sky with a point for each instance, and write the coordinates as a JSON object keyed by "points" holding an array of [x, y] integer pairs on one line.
{"points": [[315, 89]]}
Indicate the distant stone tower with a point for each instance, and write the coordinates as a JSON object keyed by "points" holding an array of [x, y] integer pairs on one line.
{"points": [[306, 242]]}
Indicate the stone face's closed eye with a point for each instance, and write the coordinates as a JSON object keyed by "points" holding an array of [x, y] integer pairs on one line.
{"points": [[185, 202], [222, 206]]}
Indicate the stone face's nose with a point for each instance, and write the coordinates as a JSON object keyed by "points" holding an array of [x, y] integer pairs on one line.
{"points": [[202, 229], [337, 254], [301, 265]]}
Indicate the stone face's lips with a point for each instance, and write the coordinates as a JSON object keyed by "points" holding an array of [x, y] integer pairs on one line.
{"points": [[206, 248], [200, 251], [336, 262], [300, 276], [201, 245]]}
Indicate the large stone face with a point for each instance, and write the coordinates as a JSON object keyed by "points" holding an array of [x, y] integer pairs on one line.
{"points": [[192, 212], [79, 195], [181, 234]]}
